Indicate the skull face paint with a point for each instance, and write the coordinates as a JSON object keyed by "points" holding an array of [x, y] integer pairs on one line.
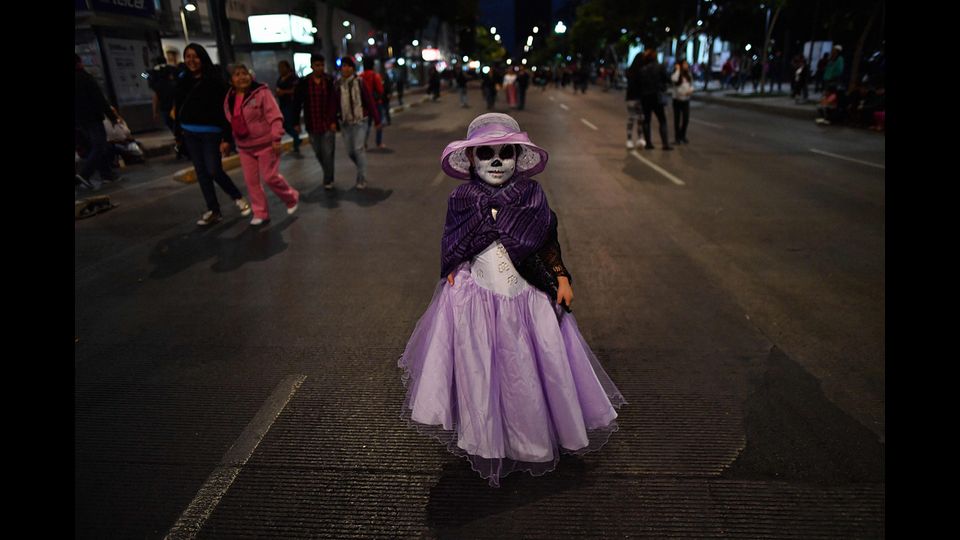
{"points": [[495, 164]]}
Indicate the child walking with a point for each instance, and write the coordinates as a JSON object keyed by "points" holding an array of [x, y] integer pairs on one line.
{"points": [[496, 368], [257, 125]]}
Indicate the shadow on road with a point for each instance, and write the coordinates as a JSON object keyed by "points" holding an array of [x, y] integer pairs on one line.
{"points": [[331, 198]]}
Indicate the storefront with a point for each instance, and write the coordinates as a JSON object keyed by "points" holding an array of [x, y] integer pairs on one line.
{"points": [[118, 42]]}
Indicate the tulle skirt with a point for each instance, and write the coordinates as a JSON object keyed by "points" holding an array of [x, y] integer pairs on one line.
{"points": [[506, 382]]}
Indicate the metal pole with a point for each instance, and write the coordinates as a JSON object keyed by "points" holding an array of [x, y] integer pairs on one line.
{"points": [[183, 21]]}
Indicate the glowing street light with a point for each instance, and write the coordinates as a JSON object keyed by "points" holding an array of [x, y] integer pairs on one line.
{"points": [[699, 23], [748, 47], [560, 28], [485, 70], [509, 61], [371, 41], [416, 42], [346, 24], [493, 29], [497, 37], [536, 29], [466, 58], [667, 29], [190, 6], [524, 61], [348, 37], [401, 61], [623, 30]]}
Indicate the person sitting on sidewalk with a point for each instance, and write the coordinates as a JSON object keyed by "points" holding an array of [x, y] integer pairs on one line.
{"points": [[827, 111]]}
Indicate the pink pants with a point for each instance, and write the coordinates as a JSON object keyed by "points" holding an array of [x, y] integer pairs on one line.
{"points": [[265, 165]]}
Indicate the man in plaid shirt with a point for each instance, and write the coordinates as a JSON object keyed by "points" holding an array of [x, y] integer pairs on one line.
{"points": [[316, 96]]}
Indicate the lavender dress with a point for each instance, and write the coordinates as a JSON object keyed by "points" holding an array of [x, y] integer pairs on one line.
{"points": [[492, 374]]}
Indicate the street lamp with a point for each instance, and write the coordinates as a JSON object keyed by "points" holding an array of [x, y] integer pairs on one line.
{"points": [[185, 6], [536, 29], [346, 24], [371, 41], [493, 29], [416, 43], [560, 28]]}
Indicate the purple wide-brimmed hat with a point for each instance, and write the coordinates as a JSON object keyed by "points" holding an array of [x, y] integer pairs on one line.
{"points": [[491, 129]]}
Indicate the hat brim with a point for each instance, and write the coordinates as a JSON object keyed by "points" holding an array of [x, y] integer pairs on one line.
{"points": [[455, 162]]}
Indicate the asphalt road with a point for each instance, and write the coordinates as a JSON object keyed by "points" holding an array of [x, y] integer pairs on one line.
{"points": [[243, 382]]}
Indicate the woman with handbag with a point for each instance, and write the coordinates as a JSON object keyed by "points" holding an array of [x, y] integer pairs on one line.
{"points": [[682, 90], [495, 368], [204, 130], [257, 125]]}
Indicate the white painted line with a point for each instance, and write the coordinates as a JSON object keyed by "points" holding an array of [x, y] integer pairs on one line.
{"points": [[551, 98], [438, 178], [220, 480], [718, 126], [564, 107], [589, 125], [814, 150], [657, 168]]}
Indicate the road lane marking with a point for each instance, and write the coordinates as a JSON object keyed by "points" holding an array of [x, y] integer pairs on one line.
{"points": [[718, 126], [564, 107], [589, 125], [814, 150], [657, 168], [551, 98], [220, 480]]}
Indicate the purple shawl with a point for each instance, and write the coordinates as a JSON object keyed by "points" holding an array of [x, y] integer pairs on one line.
{"points": [[522, 224]]}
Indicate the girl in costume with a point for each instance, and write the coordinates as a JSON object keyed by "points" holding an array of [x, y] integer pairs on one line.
{"points": [[496, 368]]}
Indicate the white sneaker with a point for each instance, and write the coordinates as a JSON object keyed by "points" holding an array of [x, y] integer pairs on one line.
{"points": [[293, 209], [257, 221], [630, 144], [208, 218], [361, 184], [641, 142], [244, 206]]}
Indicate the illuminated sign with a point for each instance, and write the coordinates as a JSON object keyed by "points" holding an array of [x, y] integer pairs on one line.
{"points": [[280, 29]]}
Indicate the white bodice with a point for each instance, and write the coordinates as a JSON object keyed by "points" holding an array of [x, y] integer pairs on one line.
{"points": [[493, 270]]}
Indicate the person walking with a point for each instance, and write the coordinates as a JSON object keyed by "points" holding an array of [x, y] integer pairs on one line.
{"points": [[682, 90], [316, 98], [801, 76], [354, 104], [523, 82], [401, 78], [203, 128], [489, 87], [634, 107], [90, 108], [374, 85], [385, 102], [258, 126], [653, 84], [286, 88], [433, 86], [462, 87], [163, 81], [510, 88]]}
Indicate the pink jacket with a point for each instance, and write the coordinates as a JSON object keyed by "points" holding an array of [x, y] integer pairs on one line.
{"points": [[262, 115]]}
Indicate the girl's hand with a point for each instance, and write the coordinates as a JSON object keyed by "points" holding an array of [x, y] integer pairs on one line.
{"points": [[564, 291], [450, 279], [225, 149]]}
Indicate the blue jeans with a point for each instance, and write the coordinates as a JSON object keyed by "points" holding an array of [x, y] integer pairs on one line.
{"points": [[353, 135], [204, 151], [323, 146]]}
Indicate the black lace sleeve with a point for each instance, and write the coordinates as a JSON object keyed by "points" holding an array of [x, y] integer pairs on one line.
{"points": [[550, 252]]}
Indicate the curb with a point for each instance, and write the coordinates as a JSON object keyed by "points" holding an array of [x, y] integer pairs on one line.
{"points": [[803, 114]]}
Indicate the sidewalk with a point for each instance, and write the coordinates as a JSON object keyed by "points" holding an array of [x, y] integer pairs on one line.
{"points": [[779, 103]]}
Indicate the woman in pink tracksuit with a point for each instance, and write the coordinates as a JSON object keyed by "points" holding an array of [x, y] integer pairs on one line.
{"points": [[257, 128]]}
